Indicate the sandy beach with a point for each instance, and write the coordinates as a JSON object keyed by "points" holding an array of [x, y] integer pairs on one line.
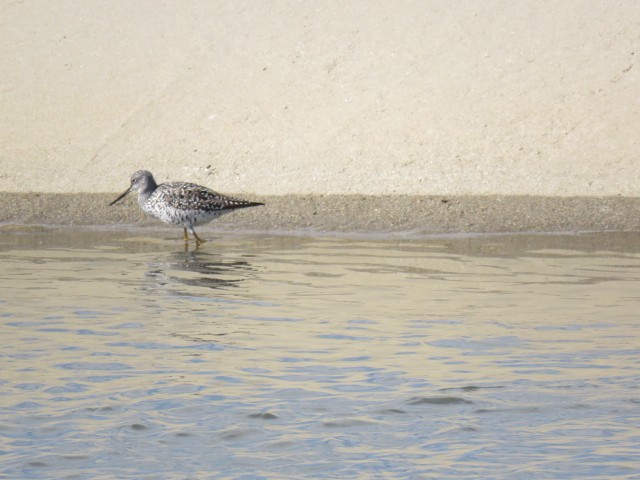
{"points": [[358, 115]]}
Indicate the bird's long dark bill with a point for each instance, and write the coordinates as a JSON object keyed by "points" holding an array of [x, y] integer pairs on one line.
{"points": [[121, 196]]}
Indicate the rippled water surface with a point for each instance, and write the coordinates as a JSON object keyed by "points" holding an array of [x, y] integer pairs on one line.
{"points": [[123, 356]]}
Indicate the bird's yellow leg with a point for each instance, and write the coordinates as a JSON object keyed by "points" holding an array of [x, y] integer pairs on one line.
{"points": [[198, 239], [186, 236]]}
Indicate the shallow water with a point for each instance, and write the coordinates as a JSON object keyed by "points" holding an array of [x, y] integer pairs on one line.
{"points": [[502, 357]]}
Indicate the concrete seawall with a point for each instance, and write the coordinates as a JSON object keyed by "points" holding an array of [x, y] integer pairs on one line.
{"points": [[425, 116]]}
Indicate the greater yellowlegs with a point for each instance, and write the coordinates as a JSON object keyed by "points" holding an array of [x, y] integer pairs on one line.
{"points": [[181, 203]]}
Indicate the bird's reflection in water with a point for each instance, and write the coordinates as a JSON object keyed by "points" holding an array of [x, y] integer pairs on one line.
{"points": [[197, 269]]}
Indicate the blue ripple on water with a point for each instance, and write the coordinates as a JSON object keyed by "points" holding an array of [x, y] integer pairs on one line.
{"points": [[70, 387], [167, 346], [93, 366]]}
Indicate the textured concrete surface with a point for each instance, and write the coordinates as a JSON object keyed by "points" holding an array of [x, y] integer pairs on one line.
{"points": [[425, 98]]}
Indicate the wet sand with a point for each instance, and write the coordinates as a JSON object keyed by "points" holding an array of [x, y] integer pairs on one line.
{"points": [[406, 214]]}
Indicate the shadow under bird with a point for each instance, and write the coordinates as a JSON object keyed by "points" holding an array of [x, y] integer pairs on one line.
{"points": [[181, 203]]}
